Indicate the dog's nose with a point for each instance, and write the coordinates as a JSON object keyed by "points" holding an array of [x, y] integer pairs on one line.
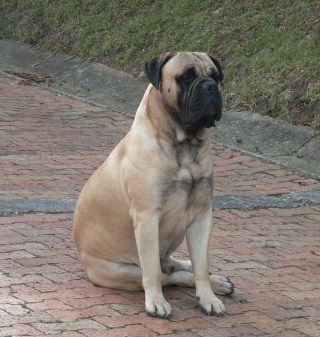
{"points": [[209, 86]]}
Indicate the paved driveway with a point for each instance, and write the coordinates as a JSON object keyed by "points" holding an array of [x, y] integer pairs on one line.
{"points": [[266, 234]]}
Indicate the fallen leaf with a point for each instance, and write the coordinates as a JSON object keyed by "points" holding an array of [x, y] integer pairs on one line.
{"points": [[25, 82], [32, 77]]}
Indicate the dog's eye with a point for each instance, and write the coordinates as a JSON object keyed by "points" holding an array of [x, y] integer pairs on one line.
{"points": [[188, 76]]}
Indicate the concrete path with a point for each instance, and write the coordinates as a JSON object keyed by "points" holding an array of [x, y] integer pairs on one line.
{"points": [[266, 234]]}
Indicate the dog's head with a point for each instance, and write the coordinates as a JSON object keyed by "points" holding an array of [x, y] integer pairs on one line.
{"points": [[189, 84]]}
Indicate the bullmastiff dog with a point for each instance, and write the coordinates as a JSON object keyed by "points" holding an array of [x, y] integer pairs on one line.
{"points": [[155, 188]]}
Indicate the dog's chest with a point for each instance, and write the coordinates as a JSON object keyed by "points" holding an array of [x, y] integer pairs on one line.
{"points": [[192, 172], [185, 199], [190, 186], [186, 194]]}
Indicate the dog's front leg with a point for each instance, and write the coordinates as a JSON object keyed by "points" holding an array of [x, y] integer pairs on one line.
{"points": [[147, 237], [198, 236]]}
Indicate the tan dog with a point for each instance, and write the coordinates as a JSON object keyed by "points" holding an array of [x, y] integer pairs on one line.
{"points": [[155, 188]]}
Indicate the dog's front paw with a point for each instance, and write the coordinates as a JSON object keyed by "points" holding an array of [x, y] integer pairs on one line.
{"points": [[211, 306], [158, 307]]}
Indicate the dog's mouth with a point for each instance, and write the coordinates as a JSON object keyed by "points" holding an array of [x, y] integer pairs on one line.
{"points": [[207, 121], [202, 104], [203, 113]]}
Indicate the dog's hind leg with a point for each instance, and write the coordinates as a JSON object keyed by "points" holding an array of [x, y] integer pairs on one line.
{"points": [[180, 273], [124, 276], [128, 277], [180, 265], [219, 284]]}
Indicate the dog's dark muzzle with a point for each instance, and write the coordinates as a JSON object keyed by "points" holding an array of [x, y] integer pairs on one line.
{"points": [[211, 99], [204, 106]]}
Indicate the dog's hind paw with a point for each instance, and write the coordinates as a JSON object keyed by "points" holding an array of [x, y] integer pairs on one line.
{"points": [[221, 285]]}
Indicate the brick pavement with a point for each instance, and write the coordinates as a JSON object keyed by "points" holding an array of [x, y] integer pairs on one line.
{"points": [[50, 144]]}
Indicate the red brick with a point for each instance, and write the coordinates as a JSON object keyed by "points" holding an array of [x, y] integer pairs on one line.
{"points": [[234, 331], [65, 334], [75, 313], [57, 327], [101, 300], [129, 331], [19, 330]]}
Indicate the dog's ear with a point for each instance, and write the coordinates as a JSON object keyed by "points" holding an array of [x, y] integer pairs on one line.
{"points": [[218, 66], [153, 67]]}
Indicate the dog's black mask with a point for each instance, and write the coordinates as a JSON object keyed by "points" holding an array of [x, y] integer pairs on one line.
{"points": [[200, 100]]}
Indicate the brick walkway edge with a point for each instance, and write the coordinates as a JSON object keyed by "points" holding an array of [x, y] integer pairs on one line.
{"points": [[50, 144]]}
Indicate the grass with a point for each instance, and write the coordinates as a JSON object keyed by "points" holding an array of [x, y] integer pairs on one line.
{"points": [[269, 49]]}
